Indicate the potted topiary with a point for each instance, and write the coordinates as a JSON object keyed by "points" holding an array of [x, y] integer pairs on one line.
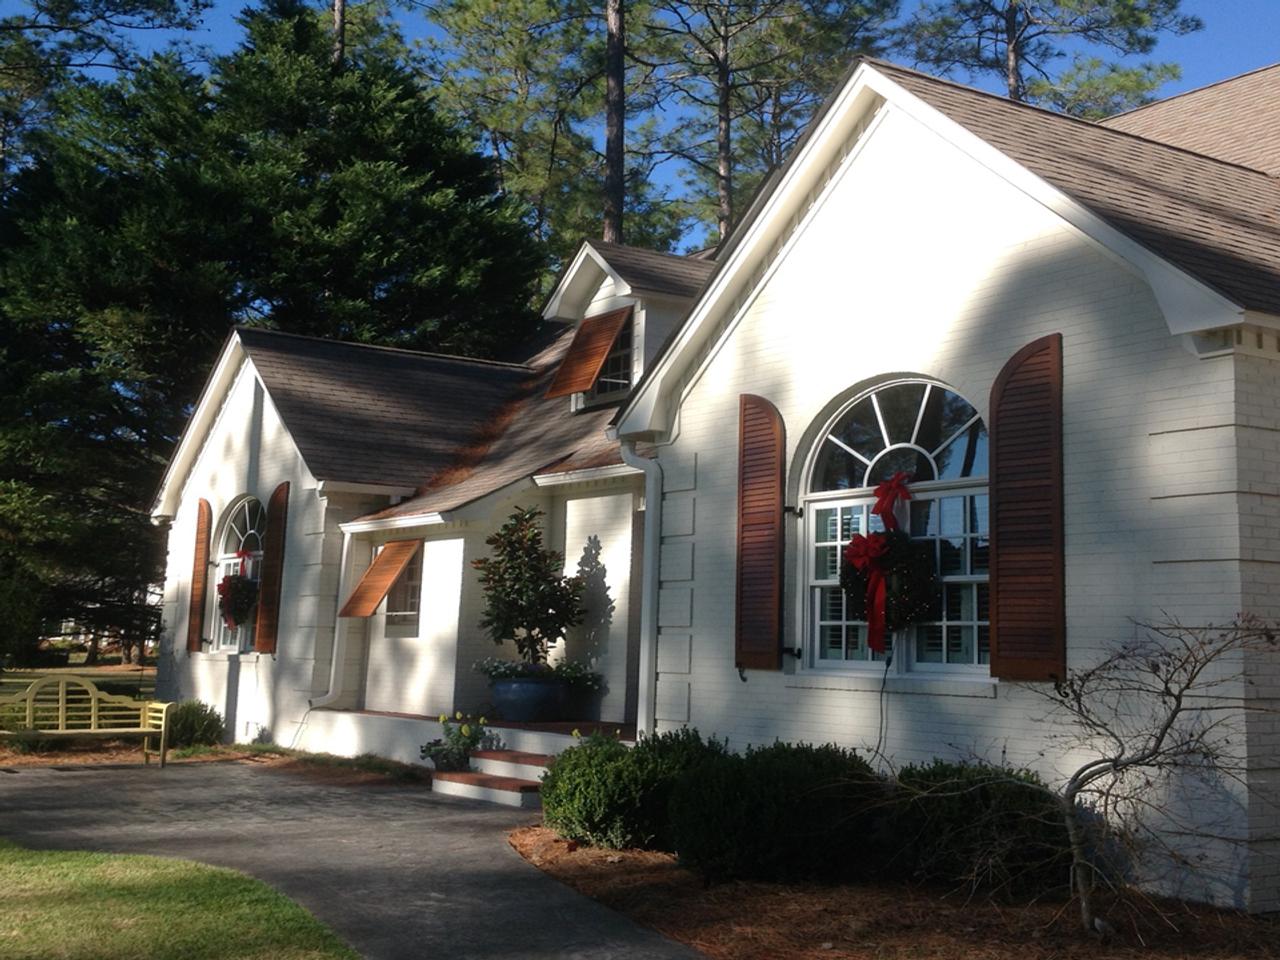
{"points": [[529, 601]]}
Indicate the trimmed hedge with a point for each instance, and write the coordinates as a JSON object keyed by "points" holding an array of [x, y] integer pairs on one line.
{"points": [[603, 793], [193, 723], [986, 827], [782, 812]]}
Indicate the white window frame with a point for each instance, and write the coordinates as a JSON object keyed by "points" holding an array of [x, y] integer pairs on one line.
{"points": [[904, 642], [241, 639], [405, 623]]}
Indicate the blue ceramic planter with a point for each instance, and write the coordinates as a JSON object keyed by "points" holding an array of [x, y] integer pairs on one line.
{"points": [[529, 699]]}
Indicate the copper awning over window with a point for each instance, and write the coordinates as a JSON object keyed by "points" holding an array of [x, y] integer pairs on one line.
{"points": [[592, 342], [377, 580]]}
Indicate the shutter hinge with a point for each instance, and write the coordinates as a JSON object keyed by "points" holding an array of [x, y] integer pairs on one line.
{"points": [[798, 511], [792, 652]]}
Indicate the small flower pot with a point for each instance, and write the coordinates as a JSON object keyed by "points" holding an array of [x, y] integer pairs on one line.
{"points": [[529, 699]]}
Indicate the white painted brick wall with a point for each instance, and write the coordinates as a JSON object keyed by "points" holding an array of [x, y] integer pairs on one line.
{"points": [[923, 263]]}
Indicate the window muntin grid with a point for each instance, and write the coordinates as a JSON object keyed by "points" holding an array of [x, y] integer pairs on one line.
{"points": [[615, 374], [939, 440], [244, 530], [405, 597]]}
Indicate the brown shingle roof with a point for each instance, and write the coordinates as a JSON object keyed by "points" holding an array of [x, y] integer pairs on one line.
{"points": [[657, 272], [1217, 221], [1237, 120], [363, 414]]}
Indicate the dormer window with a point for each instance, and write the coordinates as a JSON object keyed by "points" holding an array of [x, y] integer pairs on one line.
{"points": [[615, 375], [598, 362]]}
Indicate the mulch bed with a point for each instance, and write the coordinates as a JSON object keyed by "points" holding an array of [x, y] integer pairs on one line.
{"points": [[754, 921]]}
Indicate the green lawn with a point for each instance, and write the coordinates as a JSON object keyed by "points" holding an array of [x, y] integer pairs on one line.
{"points": [[138, 683], [85, 906]]}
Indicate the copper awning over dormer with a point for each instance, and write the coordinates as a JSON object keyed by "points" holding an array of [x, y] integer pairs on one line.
{"points": [[591, 344]]}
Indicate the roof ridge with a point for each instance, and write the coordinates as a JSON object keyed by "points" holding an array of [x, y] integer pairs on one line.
{"points": [[684, 258], [1187, 93], [1093, 124], [451, 357]]}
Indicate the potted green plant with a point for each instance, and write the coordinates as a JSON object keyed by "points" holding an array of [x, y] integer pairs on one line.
{"points": [[529, 601]]}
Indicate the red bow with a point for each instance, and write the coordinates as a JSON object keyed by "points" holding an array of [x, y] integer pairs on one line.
{"points": [[866, 555], [887, 496], [242, 556]]}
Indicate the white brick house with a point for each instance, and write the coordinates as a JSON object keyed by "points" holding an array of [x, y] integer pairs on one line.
{"points": [[928, 258]]}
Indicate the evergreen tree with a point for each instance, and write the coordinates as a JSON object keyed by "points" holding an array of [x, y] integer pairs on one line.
{"points": [[161, 208], [1020, 41]]}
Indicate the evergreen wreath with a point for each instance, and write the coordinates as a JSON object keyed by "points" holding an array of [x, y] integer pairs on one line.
{"points": [[236, 596], [912, 593]]}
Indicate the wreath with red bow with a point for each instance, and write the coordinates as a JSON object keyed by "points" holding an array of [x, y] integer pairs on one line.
{"points": [[236, 595], [889, 579]]}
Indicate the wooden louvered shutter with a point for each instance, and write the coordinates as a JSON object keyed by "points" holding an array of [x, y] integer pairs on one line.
{"points": [[379, 578], [761, 459], [199, 576], [1028, 603], [269, 581]]}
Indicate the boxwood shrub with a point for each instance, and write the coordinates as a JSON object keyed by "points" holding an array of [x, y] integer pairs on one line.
{"points": [[782, 812], [193, 723], [610, 795], [985, 827]]}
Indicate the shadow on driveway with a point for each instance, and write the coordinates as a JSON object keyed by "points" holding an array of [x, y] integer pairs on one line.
{"points": [[397, 872]]}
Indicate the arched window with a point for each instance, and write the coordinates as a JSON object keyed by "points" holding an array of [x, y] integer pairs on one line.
{"points": [[938, 439], [239, 553]]}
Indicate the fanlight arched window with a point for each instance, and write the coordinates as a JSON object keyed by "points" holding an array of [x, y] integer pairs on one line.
{"points": [[239, 553], [938, 439]]}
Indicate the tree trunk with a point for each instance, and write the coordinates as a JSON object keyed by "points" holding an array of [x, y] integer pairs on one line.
{"points": [[1012, 58], [339, 33], [724, 146], [1081, 868], [92, 656], [615, 121]]}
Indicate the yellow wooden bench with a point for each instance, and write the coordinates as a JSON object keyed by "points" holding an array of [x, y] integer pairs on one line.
{"points": [[72, 707]]}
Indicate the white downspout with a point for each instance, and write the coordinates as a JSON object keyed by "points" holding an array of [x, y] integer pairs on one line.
{"points": [[339, 633], [648, 692]]}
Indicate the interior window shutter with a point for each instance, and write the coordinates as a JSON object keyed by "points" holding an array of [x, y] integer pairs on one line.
{"points": [[199, 576], [761, 459], [264, 636], [1028, 602]]}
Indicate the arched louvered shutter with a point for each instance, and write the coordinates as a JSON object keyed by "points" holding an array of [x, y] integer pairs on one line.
{"points": [[199, 576], [1028, 605], [264, 636], [761, 458]]}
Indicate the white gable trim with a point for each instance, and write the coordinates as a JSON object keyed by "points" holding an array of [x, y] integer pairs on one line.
{"points": [[203, 418], [1188, 304], [580, 283]]}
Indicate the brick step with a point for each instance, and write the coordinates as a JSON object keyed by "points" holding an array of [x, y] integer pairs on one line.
{"points": [[520, 764], [475, 785]]}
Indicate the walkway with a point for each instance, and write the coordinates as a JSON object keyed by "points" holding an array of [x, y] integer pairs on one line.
{"points": [[399, 873]]}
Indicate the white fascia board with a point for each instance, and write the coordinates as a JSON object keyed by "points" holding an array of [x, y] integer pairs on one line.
{"points": [[393, 523], [202, 418], [645, 414], [586, 475], [1187, 303], [583, 278]]}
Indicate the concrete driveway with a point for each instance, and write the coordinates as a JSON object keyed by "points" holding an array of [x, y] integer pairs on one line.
{"points": [[399, 873]]}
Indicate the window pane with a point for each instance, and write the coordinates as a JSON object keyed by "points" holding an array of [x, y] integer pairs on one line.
{"points": [[945, 413], [860, 430], [856, 637], [978, 514], [979, 555], [960, 644], [924, 518], [951, 513], [830, 642], [984, 602], [831, 603], [836, 469], [984, 644], [960, 601], [965, 456], [951, 557], [900, 406], [850, 522], [908, 460], [824, 525], [929, 643], [826, 563]]}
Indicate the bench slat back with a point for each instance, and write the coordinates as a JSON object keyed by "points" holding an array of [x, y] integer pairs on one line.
{"points": [[74, 703]]}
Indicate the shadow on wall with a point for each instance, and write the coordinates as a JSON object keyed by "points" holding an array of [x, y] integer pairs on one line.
{"points": [[589, 641]]}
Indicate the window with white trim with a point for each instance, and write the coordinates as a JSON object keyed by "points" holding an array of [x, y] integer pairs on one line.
{"points": [[937, 438], [615, 374], [404, 599], [239, 552]]}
